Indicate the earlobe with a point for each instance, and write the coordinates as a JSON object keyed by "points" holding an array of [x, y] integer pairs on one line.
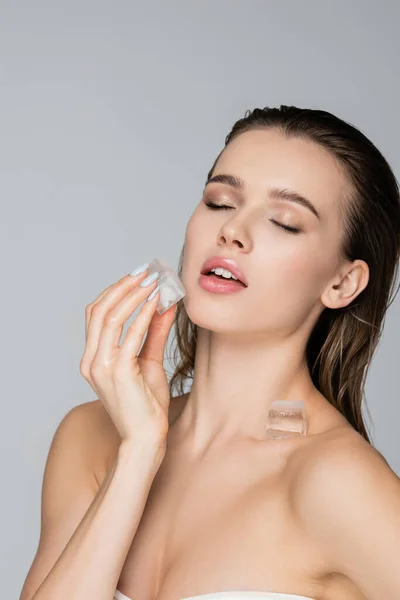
{"points": [[352, 283]]}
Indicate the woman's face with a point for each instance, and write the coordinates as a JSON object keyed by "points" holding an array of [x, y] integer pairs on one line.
{"points": [[286, 272]]}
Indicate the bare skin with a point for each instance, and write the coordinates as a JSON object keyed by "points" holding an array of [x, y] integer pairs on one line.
{"points": [[229, 509], [228, 519]]}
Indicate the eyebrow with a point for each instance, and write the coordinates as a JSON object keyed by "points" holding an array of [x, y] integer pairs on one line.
{"points": [[274, 192]]}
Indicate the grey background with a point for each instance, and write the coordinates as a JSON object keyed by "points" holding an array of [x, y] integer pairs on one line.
{"points": [[111, 115]]}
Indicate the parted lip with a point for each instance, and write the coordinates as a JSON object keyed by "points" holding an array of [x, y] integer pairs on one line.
{"points": [[225, 263]]}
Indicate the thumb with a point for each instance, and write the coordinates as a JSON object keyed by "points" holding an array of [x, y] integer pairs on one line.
{"points": [[157, 335]]}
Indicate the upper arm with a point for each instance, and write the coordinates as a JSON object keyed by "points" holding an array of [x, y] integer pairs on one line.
{"points": [[349, 502], [69, 487]]}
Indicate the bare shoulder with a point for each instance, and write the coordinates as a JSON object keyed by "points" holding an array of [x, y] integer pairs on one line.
{"points": [[344, 449], [92, 425], [336, 473], [336, 455], [347, 500]]}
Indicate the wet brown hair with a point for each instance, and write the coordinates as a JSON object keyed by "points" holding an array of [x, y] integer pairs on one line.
{"points": [[340, 347]]}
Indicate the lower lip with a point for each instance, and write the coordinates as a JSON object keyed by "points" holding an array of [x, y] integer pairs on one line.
{"points": [[212, 283]]}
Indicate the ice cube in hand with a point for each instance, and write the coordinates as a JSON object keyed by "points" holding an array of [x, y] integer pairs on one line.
{"points": [[171, 287]]}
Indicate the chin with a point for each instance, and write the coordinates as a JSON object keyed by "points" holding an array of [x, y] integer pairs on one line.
{"points": [[215, 312]]}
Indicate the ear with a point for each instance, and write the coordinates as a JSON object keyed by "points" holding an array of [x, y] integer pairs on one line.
{"points": [[347, 285]]}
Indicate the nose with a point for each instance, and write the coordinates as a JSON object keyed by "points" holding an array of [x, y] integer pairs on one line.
{"points": [[237, 230], [230, 235]]}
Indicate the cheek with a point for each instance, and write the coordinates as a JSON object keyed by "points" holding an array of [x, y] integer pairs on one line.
{"points": [[286, 265], [190, 234], [194, 253], [287, 288], [292, 281], [300, 265]]}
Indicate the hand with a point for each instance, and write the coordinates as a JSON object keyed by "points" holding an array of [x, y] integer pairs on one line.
{"points": [[133, 388]]}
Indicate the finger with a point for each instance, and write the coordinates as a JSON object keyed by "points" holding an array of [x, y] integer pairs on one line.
{"points": [[89, 308], [126, 280], [115, 320], [105, 302], [157, 335], [135, 333]]}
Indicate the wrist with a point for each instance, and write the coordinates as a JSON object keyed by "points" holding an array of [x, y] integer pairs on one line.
{"points": [[147, 452]]}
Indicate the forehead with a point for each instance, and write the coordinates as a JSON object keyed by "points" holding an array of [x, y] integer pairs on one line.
{"points": [[266, 158]]}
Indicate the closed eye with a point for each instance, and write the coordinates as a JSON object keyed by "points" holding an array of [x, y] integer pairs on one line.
{"points": [[286, 227], [213, 206], [217, 206]]}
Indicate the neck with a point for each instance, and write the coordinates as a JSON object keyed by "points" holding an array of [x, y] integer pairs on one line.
{"points": [[235, 381]]}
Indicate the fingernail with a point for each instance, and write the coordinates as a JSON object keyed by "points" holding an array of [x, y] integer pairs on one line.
{"points": [[139, 270], [150, 279], [153, 293]]}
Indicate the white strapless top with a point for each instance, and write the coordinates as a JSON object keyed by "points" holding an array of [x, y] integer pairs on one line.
{"points": [[235, 595]]}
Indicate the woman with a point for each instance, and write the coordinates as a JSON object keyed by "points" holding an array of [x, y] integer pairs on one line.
{"points": [[158, 497]]}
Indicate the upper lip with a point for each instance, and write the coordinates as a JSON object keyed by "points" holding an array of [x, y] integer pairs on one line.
{"points": [[225, 263]]}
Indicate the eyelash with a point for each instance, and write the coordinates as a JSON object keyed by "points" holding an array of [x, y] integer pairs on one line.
{"points": [[293, 230]]}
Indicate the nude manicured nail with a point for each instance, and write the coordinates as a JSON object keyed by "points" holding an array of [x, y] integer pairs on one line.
{"points": [[153, 293], [139, 270], [149, 280]]}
